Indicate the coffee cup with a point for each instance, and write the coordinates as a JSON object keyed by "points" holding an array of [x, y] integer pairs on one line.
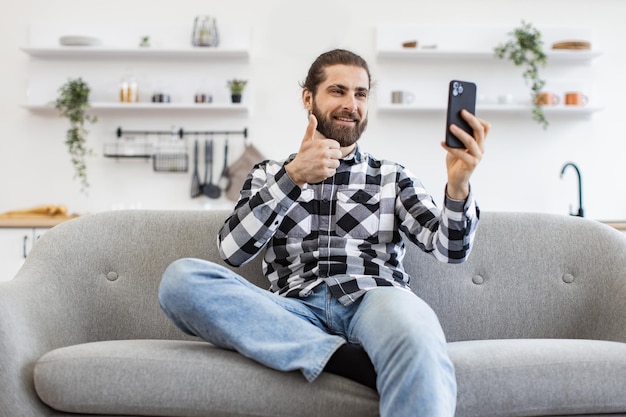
{"points": [[402, 97], [505, 99], [546, 98], [575, 98]]}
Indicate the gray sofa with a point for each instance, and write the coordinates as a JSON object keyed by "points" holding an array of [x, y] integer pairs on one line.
{"points": [[536, 321]]}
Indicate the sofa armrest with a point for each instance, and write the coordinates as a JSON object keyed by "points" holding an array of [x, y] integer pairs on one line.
{"points": [[95, 278]]}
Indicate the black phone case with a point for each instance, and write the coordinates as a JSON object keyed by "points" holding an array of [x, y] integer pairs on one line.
{"points": [[461, 95]]}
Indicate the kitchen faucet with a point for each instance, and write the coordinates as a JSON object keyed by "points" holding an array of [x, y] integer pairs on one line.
{"points": [[580, 188]]}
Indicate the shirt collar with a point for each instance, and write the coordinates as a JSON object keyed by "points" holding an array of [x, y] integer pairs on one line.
{"points": [[354, 157]]}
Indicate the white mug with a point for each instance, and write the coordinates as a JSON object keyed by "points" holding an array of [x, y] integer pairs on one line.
{"points": [[402, 97]]}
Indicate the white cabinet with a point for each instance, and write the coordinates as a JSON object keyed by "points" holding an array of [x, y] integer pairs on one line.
{"points": [[466, 53], [15, 245]]}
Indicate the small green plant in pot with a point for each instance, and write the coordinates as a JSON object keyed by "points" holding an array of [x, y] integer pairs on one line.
{"points": [[72, 103], [236, 89], [525, 49]]}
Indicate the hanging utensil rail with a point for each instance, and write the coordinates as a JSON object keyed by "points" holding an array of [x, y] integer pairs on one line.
{"points": [[146, 147], [181, 132]]}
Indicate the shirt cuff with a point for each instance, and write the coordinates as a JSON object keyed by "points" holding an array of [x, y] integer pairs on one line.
{"points": [[467, 207], [284, 190]]}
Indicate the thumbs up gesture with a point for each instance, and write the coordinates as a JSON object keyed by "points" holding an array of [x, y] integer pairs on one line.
{"points": [[316, 160]]}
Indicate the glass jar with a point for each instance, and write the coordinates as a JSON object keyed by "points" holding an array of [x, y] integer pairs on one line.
{"points": [[205, 32]]}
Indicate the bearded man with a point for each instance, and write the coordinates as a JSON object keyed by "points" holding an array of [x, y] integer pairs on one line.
{"points": [[330, 221]]}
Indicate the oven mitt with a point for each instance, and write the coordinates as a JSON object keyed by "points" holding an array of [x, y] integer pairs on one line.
{"points": [[239, 170]]}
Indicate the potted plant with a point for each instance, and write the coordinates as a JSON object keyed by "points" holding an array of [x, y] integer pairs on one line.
{"points": [[236, 89], [526, 50], [72, 102]]}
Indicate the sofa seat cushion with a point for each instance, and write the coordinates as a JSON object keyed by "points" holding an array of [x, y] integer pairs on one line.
{"points": [[539, 377], [186, 378]]}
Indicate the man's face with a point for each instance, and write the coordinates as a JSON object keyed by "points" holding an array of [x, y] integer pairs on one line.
{"points": [[341, 104]]}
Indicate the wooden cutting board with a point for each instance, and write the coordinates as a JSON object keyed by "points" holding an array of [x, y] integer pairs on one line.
{"points": [[576, 45], [33, 220]]}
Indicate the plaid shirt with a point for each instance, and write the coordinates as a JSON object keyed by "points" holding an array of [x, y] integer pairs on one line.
{"points": [[344, 231]]}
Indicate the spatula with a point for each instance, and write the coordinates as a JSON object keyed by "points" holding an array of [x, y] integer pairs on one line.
{"points": [[195, 179], [224, 181], [209, 189]]}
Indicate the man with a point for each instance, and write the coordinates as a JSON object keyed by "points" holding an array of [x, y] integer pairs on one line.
{"points": [[329, 219]]}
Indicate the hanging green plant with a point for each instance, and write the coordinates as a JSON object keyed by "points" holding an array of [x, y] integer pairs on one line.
{"points": [[526, 50], [73, 102]]}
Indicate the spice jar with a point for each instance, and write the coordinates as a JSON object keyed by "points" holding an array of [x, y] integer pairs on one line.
{"points": [[128, 90]]}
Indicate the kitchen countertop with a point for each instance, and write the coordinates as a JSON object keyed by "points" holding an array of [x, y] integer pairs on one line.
{"points": [[33, 220], [617, 224]]}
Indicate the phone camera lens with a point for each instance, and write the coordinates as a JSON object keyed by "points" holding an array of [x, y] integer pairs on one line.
{"points": [[460, 89], [455, 85]]}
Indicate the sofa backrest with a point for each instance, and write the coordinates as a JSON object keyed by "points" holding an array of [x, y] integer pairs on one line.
{"points": [[529, 275]]}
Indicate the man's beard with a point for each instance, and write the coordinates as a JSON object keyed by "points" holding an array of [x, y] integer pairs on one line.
{"points": [[345, 135]]}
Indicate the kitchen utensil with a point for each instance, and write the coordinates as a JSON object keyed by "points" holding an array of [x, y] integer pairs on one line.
{"points": [[195, 179], [170, 155], [577, 45], [170, 162], [208, 188], [402, 97], [547, 98], [224, 181], [575, 98]]}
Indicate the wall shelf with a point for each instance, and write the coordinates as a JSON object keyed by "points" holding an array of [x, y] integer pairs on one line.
{"points": [[440, 48], [135, 107], [512, 109], [56, 52], [118, 46], [553, 56]]}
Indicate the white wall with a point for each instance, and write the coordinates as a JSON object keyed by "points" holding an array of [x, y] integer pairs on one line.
{"points": [[520, 170]]}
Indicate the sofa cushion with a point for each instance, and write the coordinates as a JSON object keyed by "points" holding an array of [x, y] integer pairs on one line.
{"points": [[538, 377], [521, 377], [186, 378]]}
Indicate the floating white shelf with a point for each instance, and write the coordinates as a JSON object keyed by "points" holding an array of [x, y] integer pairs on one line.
{"points": [[137, 52], [556, 56], [131, 107], [503, 109]]}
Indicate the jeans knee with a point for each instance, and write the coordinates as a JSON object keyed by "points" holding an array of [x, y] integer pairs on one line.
{"points": [[185, 279], [180, 280], [172, 282]]}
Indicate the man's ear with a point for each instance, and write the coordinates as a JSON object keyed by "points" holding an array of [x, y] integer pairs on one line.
{"points": [[307, 100]]}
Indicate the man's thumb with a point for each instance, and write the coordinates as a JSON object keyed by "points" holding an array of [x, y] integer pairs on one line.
{"points": [[311, 128]]}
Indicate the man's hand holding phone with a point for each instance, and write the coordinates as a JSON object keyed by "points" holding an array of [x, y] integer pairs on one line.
{"points": [[465, 138]]}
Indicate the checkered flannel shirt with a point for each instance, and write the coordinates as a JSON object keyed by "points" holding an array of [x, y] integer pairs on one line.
{"points": [[344, 231]]}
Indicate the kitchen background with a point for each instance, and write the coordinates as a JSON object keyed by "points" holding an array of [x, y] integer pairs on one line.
{"points": [[520, 171]]}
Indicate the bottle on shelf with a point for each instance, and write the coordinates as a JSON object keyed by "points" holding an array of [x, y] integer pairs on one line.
{"points": [[128, 89]]}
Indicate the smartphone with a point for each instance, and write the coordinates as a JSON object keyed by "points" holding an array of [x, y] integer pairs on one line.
{"points": [[461, 95]]}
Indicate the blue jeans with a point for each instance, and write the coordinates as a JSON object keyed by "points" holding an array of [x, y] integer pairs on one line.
{"points": [[399, 332]]}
